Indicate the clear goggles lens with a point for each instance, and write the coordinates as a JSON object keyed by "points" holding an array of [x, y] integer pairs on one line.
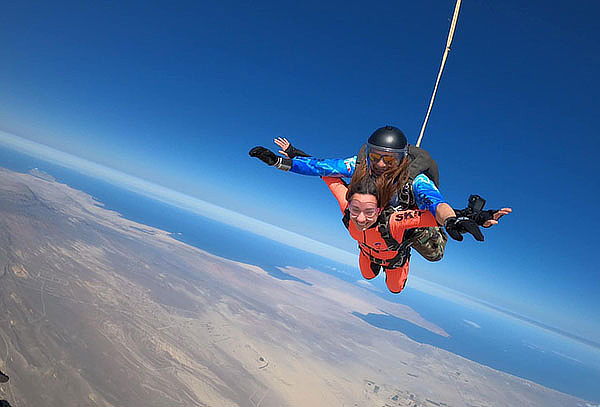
{"points": [[369, 212]]}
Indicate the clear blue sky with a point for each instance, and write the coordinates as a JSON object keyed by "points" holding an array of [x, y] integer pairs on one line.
{"points": [[177, 92]]}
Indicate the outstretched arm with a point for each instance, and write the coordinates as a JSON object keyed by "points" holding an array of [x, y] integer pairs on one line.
{"points": [[327, 167], [402, 220], [339, 189], [343, 168], [487, 218], [428, 197], [473, 216], [305, 164]]}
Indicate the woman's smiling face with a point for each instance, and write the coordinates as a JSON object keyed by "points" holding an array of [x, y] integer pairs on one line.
{"points": [[363, 210]]}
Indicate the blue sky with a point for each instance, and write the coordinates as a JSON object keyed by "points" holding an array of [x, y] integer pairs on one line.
{"points": [[176, 93]]}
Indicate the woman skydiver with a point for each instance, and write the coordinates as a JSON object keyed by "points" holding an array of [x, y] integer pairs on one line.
{"points": [[379, 233]]}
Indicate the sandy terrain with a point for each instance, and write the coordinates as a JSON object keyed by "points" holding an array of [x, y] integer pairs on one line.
{"points": [[102, 311]]}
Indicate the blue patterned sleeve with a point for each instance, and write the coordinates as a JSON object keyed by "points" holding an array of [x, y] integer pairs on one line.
{"points": [[427, 196], [328, 167]]}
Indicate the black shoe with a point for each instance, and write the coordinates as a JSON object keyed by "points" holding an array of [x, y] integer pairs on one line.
{"points": [[375, 268], [3, 377]]}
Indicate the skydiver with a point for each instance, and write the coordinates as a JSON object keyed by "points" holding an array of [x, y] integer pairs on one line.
{"points": [[387, 152], [379, 237], [380, 232]]}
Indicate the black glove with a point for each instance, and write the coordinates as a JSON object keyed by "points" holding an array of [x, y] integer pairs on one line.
{"points": [[269, 158], [484, 216], [456, 227], [293, 152], [264, 154], [480, 217]]}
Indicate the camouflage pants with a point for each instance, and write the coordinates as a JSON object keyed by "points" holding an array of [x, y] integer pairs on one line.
{"points": [[429, 242]]}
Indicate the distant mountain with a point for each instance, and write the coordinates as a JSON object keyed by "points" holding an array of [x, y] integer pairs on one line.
{"points": [[36, 172], [98, 310]]}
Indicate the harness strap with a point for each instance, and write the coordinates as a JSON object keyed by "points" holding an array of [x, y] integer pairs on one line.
{"points": [[383, 226], [402, 248], [397, 261]]}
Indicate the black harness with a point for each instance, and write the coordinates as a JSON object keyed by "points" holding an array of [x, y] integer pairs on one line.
{"points": [[383, 226], [421, 162]]}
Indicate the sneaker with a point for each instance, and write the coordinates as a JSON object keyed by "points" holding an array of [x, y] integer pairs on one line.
{"points": [[375, 268]]}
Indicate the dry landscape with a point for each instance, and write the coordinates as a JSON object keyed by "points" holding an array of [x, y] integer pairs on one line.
{"points": [[98, 310]]}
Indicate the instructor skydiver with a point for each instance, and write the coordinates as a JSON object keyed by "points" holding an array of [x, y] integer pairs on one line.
{"points": [[381, 232], [386, 152]]}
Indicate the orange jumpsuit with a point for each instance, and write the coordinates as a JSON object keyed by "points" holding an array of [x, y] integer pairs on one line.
{"points": [[372, 244]]}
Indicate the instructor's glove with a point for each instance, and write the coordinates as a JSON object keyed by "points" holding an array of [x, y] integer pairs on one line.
{"points": [[293, 152], [456, 227], [263, 154], [269, 158], [478, 217]]}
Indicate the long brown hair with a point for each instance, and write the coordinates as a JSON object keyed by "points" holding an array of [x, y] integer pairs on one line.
{"points": [[384, 187]]}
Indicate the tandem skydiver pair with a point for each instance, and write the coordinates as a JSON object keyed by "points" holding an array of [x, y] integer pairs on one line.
{"points": [[392, 202]]}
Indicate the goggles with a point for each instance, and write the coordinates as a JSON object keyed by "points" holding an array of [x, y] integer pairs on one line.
{"points": [[387, 159], [390, 156], [369, 213]]}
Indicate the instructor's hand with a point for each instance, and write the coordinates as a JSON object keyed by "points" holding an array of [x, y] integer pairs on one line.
{"points": [[283, 144], [496, 217], [456, 227], [263, 154]]}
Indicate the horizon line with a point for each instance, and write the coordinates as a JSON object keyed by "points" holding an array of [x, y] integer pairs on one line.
{"points": [[272, 232]]}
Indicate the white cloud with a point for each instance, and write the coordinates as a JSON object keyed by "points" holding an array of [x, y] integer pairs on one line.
{"points": [[471, 323], [171, 197], [206, 209]]}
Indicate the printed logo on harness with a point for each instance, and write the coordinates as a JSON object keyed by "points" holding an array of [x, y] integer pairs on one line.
{"points": [[399, 217]]}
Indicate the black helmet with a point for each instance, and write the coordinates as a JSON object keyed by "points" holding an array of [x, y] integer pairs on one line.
{"points": [[389, 139], [388, 144]]}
